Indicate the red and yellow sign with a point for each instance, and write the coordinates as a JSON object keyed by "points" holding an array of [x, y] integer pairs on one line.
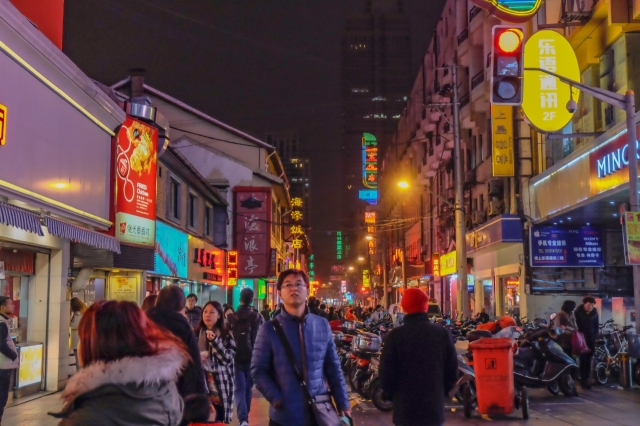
{"points": [[3, 124], [512, 283], [232, 268], [435, 264], [369, 217], [136, 163]]}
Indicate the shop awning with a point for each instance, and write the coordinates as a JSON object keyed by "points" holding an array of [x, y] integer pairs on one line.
{"points": [[76, 233], [20, 218]]}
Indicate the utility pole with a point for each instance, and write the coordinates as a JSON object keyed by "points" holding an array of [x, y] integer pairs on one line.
{"points": [[404, 248], [461, 242]]}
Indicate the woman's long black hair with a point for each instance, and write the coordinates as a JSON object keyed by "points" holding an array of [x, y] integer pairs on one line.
{"points": [[220, 324]]}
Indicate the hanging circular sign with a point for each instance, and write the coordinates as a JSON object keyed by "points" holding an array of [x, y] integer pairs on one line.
{"points": [[545, 96], [515, 11]]}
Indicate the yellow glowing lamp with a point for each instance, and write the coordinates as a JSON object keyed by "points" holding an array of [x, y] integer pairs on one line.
{"points": [[510, 40]]}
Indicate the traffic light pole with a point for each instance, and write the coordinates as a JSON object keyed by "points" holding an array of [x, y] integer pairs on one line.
{"points": [[461, 242], [627, 103]]}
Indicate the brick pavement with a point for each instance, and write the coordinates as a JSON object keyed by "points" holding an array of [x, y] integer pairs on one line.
{"points": [[601, 406]]}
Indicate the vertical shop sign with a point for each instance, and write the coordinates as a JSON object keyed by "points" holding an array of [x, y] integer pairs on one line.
{"points": [[502, 160], [136, 161], [435, 264], [3, 124], [370, 161], [366, 279], [339, 245], [632, 236], [448, 264], [252, 219], [232, 268]]}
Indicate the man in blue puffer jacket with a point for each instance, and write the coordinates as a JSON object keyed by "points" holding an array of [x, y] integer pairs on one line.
{"points": [[276, 380]]}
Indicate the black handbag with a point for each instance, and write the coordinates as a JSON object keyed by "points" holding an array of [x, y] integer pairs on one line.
{"points": [[322, 408]]}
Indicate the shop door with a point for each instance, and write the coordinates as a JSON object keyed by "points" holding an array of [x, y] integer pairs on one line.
{"points": [[511, 299], [488, 295]]}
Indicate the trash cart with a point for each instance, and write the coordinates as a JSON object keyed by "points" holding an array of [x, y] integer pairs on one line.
{"points": [[495, 390]]}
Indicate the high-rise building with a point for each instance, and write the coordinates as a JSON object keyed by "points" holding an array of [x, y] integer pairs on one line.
{"points": [[376, 78], [296, 166]]}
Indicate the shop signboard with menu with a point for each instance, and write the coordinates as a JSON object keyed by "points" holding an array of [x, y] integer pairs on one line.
{"points": [[553, 247], [632, 238], [252, 227], [123, 288], [30, 370], [171, 251], [136, 163]]}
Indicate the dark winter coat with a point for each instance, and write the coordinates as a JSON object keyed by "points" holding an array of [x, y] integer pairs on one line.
{"points": [[194, 316], [245, 312], [275, 378], [129, 391], [265, 314], [588, 324], [418, 368], [192, 380], [315, 310]]}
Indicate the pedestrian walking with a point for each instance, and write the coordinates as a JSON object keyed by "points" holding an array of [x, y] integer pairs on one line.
{"points": [[277, 311], [193, 312], [418, 365], [358, 311], [378, 314], [341, 314], [333, 315], [483, 316], [305, 339], [169, 314], [149, 302], [266, 312], [77, 309], [588, 322], [217, 350], [350, 315], [244, 325], [314, 307], [8, 355], [129, 370]]}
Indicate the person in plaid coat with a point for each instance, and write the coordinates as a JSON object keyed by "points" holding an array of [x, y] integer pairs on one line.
{"points": [[217, 350]]}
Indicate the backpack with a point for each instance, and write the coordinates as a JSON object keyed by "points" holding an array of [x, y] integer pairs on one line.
{"points": [[242, 333]]}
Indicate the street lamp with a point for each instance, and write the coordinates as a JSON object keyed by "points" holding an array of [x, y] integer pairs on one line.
{"points": [[351, 268], [403, 184], [627, 103], [369, 237], [360, 258]]}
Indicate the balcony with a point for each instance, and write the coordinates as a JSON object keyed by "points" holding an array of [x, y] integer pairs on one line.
{"points": [[475, 11], [477, 79], [464, 100], [464, 35]]}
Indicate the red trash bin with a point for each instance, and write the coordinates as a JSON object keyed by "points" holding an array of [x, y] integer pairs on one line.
{"points": [[493, 365]]}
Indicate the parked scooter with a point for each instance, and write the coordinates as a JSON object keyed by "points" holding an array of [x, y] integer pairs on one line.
{"points": [[363, 348], [541, 363], [373, 387]]}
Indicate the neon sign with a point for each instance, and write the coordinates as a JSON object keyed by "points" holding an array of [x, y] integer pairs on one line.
{"points": [[517, 11], [369, 161], [339, 245], [232, 267], [369, 195], [613, 161]]}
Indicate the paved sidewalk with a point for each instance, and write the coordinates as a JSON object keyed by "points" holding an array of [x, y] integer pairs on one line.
{"points": [[601, 406]]}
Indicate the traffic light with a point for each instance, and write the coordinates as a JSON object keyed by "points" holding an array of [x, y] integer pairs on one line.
{"points": [[507, 65]]}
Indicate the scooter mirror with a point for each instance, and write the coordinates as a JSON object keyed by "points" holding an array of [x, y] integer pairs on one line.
{"points": [[553, 316]]}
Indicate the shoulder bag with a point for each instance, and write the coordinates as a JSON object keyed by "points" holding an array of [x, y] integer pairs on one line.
{"points": [[579, 344], [322, 409]]}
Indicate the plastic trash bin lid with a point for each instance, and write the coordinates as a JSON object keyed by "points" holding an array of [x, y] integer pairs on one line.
{"points": [[490, 343]]}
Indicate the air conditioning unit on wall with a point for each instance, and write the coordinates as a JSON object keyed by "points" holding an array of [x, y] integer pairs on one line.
{"points": [[495, 208], [479, 216]]}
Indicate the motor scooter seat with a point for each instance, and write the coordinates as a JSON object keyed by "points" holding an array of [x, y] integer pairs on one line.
{"points": [[474, 335]]}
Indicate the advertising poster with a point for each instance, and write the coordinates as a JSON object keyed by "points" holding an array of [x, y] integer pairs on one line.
{"points": [[632, 234], [502, 159], [448, 264], [30, 371], [171, 252], [136, 161], [566, 247], [252, 224], [123, 288]]}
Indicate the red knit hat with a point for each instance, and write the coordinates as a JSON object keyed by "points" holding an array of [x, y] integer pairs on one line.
{"points": [[414, 300]]}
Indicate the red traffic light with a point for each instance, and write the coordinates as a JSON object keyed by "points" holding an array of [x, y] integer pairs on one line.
{"points": [[510, 40], [364, 289]]}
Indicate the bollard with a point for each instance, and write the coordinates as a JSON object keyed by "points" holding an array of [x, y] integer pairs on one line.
{"points": [[625, 371]]}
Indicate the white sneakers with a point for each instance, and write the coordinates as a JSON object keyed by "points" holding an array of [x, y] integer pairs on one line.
{"points": [[244, 424]]}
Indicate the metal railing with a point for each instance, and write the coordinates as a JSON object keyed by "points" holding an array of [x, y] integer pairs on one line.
{"points": [[463, 36], [477, 79], [475, 11], [464, 100]]}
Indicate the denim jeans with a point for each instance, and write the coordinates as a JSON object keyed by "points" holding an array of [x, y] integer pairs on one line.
{"points": [[5, 379], [242, 391]]}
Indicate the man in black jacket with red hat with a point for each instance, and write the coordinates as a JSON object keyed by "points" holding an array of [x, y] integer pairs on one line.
{"points": [[418, 366]]}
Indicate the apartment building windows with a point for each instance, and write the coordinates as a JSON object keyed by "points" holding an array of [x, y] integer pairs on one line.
{"points": [[208, 216], [192, 211], [174, 199]]}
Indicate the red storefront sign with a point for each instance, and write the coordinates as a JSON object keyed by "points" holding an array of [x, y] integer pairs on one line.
{"points": [[136, 163], [252, 226]]}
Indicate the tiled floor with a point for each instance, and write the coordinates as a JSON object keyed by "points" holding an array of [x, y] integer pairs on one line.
{"points": [[610, 406]]}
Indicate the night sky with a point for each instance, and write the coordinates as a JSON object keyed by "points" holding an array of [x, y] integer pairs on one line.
{"points": [[257, 65]]}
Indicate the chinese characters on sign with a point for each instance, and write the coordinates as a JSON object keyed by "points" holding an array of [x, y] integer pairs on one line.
{"points": [[370, 161], [632, 236], [3, 124], [296, 202], [570, 247], [339, 245], [448, 264], [370, 221], [296, 215], [232, 268], [252, 241], [545, 96], [136, 160], [435, 264], [366, 279], [502, 160]]}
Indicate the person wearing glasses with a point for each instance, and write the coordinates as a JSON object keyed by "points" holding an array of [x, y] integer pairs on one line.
{"points": [[311, 342]]}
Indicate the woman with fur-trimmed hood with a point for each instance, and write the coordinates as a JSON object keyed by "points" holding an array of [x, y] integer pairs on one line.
{"points": [[129, 371]]}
